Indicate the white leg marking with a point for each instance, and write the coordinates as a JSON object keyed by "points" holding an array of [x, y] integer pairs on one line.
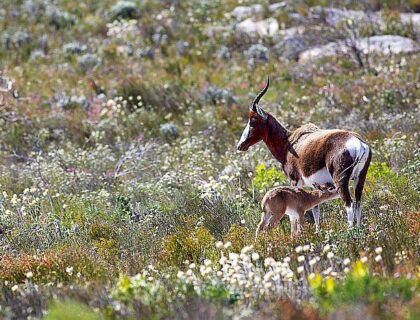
{"points": [[315, 212], [350, 216], [358, 211]]}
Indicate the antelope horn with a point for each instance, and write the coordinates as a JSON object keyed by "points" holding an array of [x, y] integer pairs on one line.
{"points": [[259, 96]]}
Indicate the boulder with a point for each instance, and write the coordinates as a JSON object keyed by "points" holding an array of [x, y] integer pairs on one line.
{"points": [[386, 44], [263, 28]]}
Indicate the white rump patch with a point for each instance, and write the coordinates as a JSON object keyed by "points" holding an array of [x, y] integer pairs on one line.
{"points": [[321, 176], [359, 152]]}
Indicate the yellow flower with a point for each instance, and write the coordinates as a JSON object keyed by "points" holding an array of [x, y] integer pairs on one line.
{"points": [[359, 270], [330, 285], [315, 281]]}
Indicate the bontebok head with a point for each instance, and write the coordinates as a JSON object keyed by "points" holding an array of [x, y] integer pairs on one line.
{"points": [[256, 128]]}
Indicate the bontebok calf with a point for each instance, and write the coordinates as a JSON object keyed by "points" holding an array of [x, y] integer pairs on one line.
{"points": [[292, 201]]}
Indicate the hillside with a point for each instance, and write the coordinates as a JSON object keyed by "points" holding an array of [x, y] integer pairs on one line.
{"points": [[123, 195]]}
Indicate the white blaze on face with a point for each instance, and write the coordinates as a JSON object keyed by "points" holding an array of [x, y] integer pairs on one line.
{"points": [[245, 134]]}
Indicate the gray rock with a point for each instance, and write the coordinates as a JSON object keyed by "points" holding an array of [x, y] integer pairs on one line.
{"points": [[224, 53], [37, 54], [88, 61], [387, 44], [169, 130], [74, 48], [263, 28], [72, 102], [124, 10], [218, 95], [290, 47], [258, 53], [242, 12]]}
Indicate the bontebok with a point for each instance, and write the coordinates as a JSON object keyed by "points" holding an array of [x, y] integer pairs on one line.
{"points": [[311, 155]]}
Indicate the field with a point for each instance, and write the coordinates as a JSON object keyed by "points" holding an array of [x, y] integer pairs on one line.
{"points": [[122, 193]]}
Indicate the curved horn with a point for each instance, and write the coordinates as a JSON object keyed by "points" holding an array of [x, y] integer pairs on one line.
{"points": [[259, 96]]}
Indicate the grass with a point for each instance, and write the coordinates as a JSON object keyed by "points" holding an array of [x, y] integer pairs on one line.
{"points": [[130, 201]]}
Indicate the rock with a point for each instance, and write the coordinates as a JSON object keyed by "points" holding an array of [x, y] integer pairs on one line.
{"points": [[333, 16], [218, 95], [169, 130], [290, 47], [257, 53], [37, 54], [242, 12], [263, 28], [74, 48], [124, 10], [224, 53], [386, 44]]}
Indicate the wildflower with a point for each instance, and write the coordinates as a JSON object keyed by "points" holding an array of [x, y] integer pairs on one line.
{"points": [[228, 245], [207, 262], [219, 244], [300, 269], [255, 256], [330, 255], [222, 260], [312, 262], [346, 261], [192, 266], [268, 285], [299, 249], [301, 258], [364, 259], [311, 276], [15, 287], [378, 250], [346, 270], [286, 260], [268, 262], [69, 270], [326, 248], [306, 247], [378, 258], [29, 275], [180, 274]]}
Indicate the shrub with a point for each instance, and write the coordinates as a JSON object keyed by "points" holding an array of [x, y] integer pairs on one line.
{"points": [[267, 178], [124, 10]]}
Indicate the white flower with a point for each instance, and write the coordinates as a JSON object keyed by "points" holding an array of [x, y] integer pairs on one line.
{"points": [[180, 274], [306, 247], [69, 270], [378, 250], [312, 262], [15, 287], [228, 245], [268, 285], [301, 258], [346, 270], [29, 274], [192, 266], [286, 260], [219, 244], [299, 249], [255, 256], [330, 255], [326, 248], [346, 261], [300, 269], [207, 262], [378, 258], [364, 259]]}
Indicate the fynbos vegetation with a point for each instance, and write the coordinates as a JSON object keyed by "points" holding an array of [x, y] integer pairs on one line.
{"points": [[123, 195]]}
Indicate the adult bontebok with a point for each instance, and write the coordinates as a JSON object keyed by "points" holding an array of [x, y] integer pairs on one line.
{"points": [[311, 155], [293, 202]]}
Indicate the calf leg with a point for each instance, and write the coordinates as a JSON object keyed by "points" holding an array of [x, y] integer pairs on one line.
{"points": [[315, 211], [265, 219]]}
